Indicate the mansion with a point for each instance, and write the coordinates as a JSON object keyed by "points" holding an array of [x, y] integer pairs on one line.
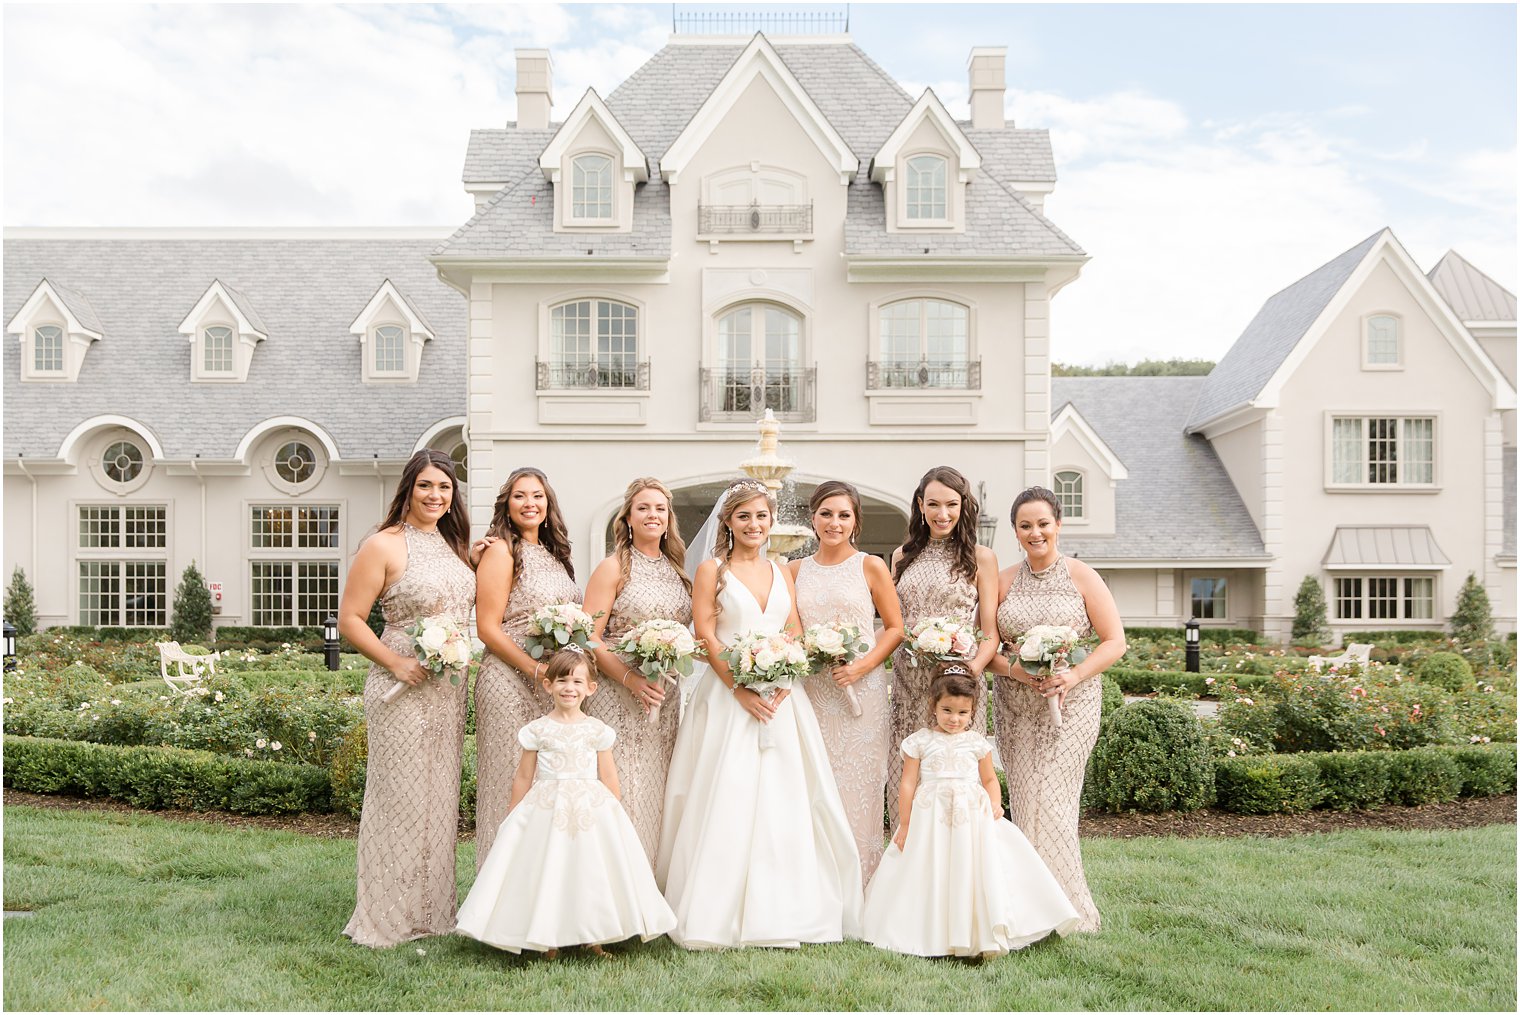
{"points": [[743, 225]]}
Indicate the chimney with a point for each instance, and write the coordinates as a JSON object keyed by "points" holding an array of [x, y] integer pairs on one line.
{"points": [[988, 82], [533, 98]]}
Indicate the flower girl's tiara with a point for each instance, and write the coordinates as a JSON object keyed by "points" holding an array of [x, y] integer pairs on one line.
{"points": [[954, 669]]}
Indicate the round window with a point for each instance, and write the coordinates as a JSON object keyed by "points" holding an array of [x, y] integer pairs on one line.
{"points": [[122, 462], [295, 462], [461, 459]]}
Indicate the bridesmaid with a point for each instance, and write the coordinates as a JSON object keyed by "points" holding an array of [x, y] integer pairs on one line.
{"points": [[841, 583], [1044, 762], [644, 579], [528, 566], [940, 571], [416, 564]]}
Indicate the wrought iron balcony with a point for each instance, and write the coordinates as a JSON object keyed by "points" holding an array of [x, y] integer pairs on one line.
{"points": [[744, 394], [620, 374], [755, 219], [924, 374]]}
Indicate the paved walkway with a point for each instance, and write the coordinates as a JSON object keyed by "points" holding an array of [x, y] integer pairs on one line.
{"points": [[1202, 709]]}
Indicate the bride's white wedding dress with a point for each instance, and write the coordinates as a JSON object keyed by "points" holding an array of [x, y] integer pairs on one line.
{"points": [[755, 849]]}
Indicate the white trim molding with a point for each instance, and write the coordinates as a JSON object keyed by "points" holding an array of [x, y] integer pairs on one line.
{"points": [[1070, 421], [49, 305], [635, 164], [258, 430], [389, 306], [220, 304], [71, 442], [928, 107]]}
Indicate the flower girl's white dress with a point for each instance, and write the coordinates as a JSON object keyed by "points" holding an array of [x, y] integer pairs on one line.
{"points": [[755, 849], [566, 867], [966, 883]]}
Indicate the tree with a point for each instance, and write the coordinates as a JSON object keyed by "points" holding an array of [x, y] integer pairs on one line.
{"points": [[192, 608], [1309, 612], [21, 604], [1473, 621]]}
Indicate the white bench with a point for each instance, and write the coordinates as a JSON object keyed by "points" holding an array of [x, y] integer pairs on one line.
{"points": [[1354, 653], [181, 680]]}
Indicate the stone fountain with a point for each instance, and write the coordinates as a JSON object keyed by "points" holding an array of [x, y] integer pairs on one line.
{"points": [[771, 469]]}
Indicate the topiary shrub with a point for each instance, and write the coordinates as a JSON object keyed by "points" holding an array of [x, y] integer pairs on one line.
{"points": [[1473, 621], [347, 771], [1423, 775], [1267, 784], [192, 608], [1152, 756], [21, 604], [1487, 769], [1113, 697], [1351, 780], [1309, 612], [1446, 669]]}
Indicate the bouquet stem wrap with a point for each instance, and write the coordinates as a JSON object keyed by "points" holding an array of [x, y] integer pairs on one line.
{"points": [[669, 685]]}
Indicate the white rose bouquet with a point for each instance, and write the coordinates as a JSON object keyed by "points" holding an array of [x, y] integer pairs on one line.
{"points": [[661, 648], [443, 648], [766, 664], [1049, 648], [944, 640], [558, 626], [834, 644]]}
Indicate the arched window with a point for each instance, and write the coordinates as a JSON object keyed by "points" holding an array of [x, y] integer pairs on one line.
{"points": [[216, 350], [925, 344], [760, 362], [591, 187], [47, 349], [926, 187], [460, 455], [1068, 493], [592, 344], [1383, 340], [390, 349]]}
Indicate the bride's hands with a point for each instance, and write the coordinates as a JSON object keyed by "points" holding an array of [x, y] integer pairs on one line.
{"points": [[901, 837], [756, 705]]}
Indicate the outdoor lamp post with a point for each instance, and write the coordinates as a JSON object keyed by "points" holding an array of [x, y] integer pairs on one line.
{"points": [[1192, 645], [986, 521], [10, 647], [330, 641]]}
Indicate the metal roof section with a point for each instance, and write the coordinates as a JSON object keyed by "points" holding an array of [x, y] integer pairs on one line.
{"points": [[1384, 547], [1472, 295]]}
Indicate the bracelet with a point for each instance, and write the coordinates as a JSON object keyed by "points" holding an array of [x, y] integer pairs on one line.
{"points": [[627, 672]]}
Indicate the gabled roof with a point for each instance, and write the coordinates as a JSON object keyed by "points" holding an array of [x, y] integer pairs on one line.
{"points": [[82, 317], [928, 107], [591, 107], [1289, 324], [1178, 502], [759, 60], [1473, 296], [248, 321], [388, 290], [1069, 419]]}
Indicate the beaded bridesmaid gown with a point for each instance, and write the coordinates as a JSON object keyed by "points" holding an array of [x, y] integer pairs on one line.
{"points": [[1045, 763], [410, 822], [929, 588], [643, 748], [506, 700], [857, 745]]}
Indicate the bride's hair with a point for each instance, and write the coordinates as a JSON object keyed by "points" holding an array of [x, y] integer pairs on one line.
{"points": [[670, 543], [552, 534], [739, 493], [953, 681]]}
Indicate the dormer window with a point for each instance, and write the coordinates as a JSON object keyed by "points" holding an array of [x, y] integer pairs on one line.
{"points": [[1381, 345], [926, 188], [389, 342], [391, 332], [591, 188], [216, 350], [223, 329], [47, 349]]}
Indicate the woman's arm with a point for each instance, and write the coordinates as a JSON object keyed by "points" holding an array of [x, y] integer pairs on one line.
{"points": [[523, 780], [986, 608], [1103, 614], [704, 620], [601, 591], [493, 587], [884, 598], [906, 787], [990, 784], [606, 770], [381, 556]]}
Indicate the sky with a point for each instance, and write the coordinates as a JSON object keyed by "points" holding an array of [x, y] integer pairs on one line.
{"points": [[1209, 155]]}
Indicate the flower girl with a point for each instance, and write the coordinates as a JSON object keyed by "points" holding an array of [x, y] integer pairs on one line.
{"points": [[567, 867], [956, 880]]}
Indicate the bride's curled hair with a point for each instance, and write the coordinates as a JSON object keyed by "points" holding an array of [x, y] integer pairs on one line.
{"points": [[739, 493]]}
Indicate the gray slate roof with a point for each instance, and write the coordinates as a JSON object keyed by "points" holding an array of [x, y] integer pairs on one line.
{"points": [[245, 307], [1473, 295], [1178, 501], [1272, 335], [656, 102], [308, 292], [75, 301]]}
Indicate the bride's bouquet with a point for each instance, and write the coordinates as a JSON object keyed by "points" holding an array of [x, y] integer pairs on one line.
{"points": [[661, 648], [835, 644], [766, 664], [558, 626], [1046, 649], [944, 640], [442, 646]]}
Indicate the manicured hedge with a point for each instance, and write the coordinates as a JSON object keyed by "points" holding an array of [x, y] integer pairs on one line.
{"points": [[1220, 635], [1137, 681], [1151, 756], [164, 777], [1394, 637], [1267, 784]]}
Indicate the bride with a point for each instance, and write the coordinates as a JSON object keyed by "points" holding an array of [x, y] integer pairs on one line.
{"points": [[755, 849]]}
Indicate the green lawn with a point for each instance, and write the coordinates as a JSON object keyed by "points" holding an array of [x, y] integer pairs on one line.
{"points": [[135, 911]]}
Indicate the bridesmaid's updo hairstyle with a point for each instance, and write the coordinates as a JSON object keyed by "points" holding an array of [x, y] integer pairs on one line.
{"points": [[962, 539], [1029, 496], [671, 544], [837, 488], [454, 526], [739, 493], [953, 680], [552, 534], [566, 660]]}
